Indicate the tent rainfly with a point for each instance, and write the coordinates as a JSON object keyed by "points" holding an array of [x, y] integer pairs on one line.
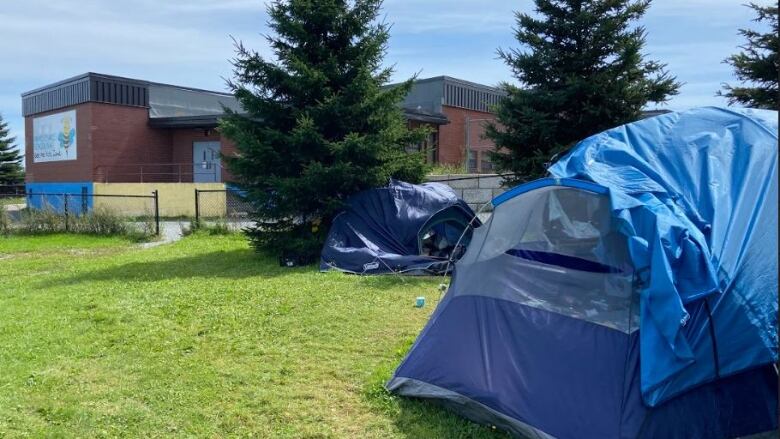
{"points": [[400, 228]]}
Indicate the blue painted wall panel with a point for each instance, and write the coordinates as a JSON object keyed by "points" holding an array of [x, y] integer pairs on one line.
{"points": [[52, 196]]}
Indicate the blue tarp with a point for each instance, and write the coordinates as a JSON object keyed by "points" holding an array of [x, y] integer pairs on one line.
{"points": [[696, 194], [379, 230]]}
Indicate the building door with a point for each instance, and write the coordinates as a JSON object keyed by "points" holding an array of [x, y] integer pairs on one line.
{"points": [[206, 166]]}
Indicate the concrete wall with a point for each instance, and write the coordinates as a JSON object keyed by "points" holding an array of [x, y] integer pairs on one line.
{"points": [[475, 189], [176, 199]]}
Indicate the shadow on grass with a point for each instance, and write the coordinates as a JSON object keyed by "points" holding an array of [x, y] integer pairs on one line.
{"points": [[228, 264], [231, 264]]}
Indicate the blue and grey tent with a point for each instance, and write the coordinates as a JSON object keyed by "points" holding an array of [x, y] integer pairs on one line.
{"points": [[631, 295], [402, 228]]}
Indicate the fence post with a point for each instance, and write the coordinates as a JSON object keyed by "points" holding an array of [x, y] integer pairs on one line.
{"points": [[84, 200], [156, 212], [197, 206], [468, 144], [65, 196]]}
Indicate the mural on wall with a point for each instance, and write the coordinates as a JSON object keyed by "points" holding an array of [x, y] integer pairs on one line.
{"points": [[54, 137]]}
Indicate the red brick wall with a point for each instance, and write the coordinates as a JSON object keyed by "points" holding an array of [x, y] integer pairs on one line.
{"points": [[228, 149], [68, 170], [122, 139], [114, 140], [452, 137], [182, 147]]}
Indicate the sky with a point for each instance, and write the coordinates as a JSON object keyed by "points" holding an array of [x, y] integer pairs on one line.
{"points": [[188, 42]]}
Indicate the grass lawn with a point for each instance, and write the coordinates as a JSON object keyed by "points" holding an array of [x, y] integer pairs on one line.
{"points": [[100, 338], [12, 200]]}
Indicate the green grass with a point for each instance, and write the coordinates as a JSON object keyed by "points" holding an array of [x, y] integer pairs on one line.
{"points": [[202, 338], [64, 243], [13, 200]]}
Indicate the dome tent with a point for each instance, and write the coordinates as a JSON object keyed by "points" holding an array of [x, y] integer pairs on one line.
{"points": [[402, 228], [636, 299]]}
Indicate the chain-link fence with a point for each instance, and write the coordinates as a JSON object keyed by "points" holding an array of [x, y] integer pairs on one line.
{"points": [[42, 212], [228, 206], [37, 212], [12, 189], [12, 198]]}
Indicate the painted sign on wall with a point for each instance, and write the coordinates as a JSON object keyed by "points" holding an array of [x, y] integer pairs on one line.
{"points": [[54, 137]]}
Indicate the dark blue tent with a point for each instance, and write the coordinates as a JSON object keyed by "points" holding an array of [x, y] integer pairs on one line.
{"points": [[402, 228], [632, 295]]}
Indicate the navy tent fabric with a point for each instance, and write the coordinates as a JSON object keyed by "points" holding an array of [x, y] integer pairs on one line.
{"points": [[633, 295], [378, 232]]}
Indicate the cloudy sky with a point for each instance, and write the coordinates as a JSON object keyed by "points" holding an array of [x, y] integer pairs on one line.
{"points": [[187, 42]]}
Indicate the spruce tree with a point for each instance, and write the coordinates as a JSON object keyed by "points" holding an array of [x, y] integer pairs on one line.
{"points": [[758, 64], [580, 70], [318, 125], [11, 172]]}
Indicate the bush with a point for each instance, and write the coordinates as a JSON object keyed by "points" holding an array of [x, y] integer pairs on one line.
{"points": [[446, 169], [219, 227], [41, 221], [99, 221], [5, 221]]}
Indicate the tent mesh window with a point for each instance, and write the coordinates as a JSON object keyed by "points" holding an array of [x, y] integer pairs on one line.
{"points": [[555, 248]]}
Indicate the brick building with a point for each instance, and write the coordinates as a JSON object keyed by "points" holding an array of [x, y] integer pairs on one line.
{"points": [[461, 109], [123, 130], [97, 129]]}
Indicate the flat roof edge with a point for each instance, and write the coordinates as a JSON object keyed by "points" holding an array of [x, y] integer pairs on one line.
{"points": [[134, 81], [202, 121], [444, 79], [57, 84]]}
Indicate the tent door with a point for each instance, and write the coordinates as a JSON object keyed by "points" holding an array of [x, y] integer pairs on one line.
{"points": [[441, 233]]}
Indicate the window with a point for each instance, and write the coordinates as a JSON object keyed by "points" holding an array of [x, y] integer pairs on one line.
{"points": [[472, 161], [428, 146], [431, 148], [486, 166], [560, 248]]}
